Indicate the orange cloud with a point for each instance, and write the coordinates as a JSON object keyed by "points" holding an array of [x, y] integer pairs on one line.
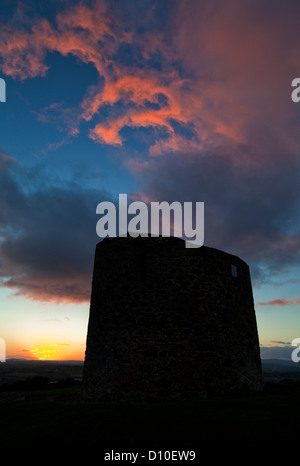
{"points": [[153, 104], [153, 97], [109, 134], [233, 54], [77, 31]]}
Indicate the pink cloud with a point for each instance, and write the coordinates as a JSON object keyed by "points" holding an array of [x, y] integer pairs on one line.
{"points": [[280, 302], [73, 290], [242, 56]]}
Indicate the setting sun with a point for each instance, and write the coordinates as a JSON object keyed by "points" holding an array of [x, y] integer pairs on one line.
{"points": [[46, 353]]}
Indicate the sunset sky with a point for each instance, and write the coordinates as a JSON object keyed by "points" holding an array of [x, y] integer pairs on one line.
{"points": [[172, 100]]}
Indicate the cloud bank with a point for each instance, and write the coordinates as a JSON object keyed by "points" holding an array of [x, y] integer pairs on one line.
{"points": [[47, 235]]}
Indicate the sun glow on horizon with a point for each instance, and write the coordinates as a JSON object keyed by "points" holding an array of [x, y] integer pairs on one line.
{"points": [[57, 352], [46, 352]]}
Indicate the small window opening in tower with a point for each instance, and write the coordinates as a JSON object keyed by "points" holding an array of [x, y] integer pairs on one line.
{"points": [[233, 270]]}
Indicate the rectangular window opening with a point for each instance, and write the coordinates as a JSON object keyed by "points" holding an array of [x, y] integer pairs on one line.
{"points": [[233, 270]]}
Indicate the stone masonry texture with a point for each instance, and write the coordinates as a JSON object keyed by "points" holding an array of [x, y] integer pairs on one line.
{"points": [[169, 323]]}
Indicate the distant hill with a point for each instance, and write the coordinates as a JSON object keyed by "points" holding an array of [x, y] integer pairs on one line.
{"points": [[42, 361], [14, 370], [278, 369], [280, 363], [17, 370]]}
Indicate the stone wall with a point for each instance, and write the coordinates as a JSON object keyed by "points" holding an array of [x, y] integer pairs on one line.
{"points": [[168, 322]]}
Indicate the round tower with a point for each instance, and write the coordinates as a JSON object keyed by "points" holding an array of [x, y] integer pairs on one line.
{"points": [[167, 322]]}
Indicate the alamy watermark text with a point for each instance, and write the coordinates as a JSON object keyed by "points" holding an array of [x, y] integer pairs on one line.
{"points": [[2, 350], [163, 217], [2, 90], [296, 351]]}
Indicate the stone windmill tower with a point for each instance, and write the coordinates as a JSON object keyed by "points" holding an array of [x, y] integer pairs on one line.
{"points": [[167, 322]]}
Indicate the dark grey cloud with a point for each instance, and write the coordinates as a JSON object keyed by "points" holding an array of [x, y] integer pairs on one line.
{"points": [[47, 234], [251, 207]]}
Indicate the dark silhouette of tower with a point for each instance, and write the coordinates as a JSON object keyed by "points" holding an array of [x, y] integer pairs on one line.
{"points": [[167, 322]]}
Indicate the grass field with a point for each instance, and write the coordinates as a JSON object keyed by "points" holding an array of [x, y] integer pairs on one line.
{"points": [[58, 417]]}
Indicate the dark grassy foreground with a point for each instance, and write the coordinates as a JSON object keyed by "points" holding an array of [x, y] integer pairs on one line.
{"points": [[58, 417]]}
